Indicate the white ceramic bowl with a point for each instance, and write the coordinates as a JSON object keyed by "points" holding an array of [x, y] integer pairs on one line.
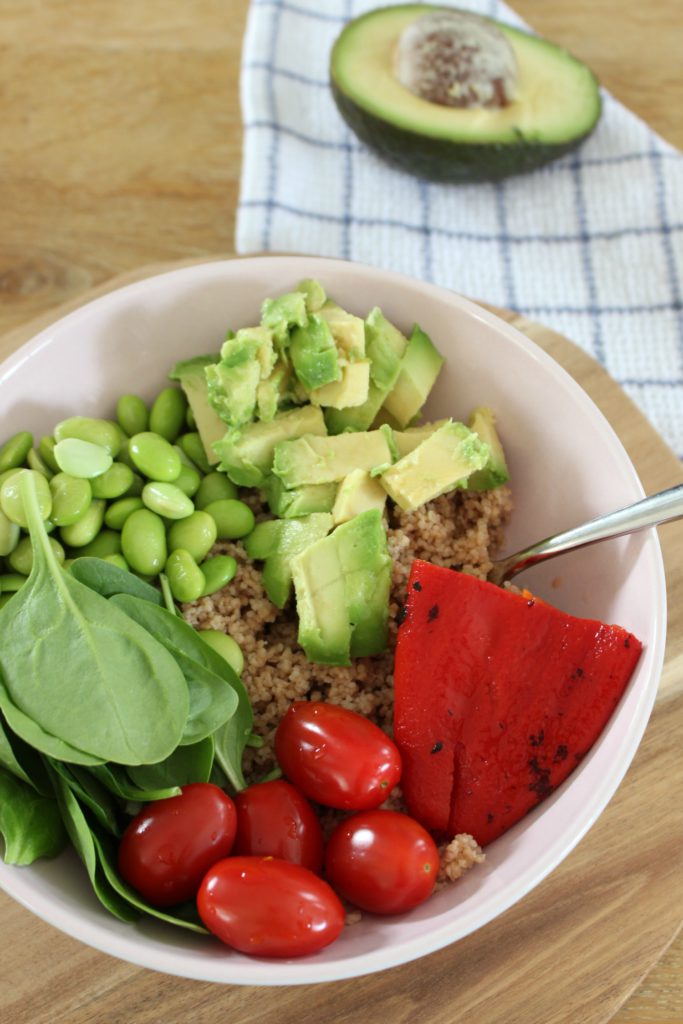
{"points": [[566, 465]]}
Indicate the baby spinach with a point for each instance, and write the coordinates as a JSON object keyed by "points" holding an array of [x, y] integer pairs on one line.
{"points": [[30, 824], [107, 579], [116, 779], [192, 763], [8, 759], [82, 669], [35, 735], [91, 794]]}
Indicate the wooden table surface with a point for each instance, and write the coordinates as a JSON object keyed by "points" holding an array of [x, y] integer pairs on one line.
{"points": [[120, 145]]}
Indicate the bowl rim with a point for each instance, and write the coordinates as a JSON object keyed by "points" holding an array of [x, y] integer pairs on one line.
{"points": [[308, 970]]}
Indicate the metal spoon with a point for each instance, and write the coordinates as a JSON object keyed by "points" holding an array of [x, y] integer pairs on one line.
{"points": [[658, 508]]}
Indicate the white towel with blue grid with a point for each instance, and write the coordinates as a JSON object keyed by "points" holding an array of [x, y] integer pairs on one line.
{"points": [[591, 245]]}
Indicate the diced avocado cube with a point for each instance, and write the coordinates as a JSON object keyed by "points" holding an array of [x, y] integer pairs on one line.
{"points": [[443, 461], [351, 390], [348, 330], [321, 460], [192, 378], [357, 493], [300, 501], [420, 367], [245, 360], [246, 454], [314, 353], [495, 472], [273, 391], [277, 541], [281, 314], [407, 440], [314, 292], [342, 592]]}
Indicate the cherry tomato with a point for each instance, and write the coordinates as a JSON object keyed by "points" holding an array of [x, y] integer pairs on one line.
{"points": [[382, 861], [336, 757], [168, 848], [274, 818], [269, 907]]}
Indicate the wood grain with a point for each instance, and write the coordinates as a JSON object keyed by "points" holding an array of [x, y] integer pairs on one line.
{"points": [[571, 951], [121, 145]]}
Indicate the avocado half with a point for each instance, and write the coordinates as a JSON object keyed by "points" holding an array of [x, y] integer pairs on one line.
{"points": [[556, 107]]}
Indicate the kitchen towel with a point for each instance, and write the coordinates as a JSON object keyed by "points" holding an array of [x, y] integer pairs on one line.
{"points": [[592, 245]]}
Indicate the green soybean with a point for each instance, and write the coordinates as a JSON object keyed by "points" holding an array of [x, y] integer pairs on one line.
{"points": [[15, 450], [118, 560], [218, 571], [155, 457], [12, 504], [82, 459], [9, 535], [189, 480], [135, 489], [118, 511], [167, 415], [143, 542], [233, 518], [21, 559], [194, 449], [10, 582], [167, 500], [85, 529], [185, 577], [131, 413], [107, 542], [35, 462], [196, 534], [71, 498], [223, 644], [214, 487], [103, 433], [46, 450], [114, 482]]}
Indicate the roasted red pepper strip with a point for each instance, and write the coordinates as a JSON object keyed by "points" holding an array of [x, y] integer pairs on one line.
{"points": [[497, 698]]}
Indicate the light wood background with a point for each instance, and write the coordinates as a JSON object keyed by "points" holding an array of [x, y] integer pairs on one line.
{"points": [[120, 144]]}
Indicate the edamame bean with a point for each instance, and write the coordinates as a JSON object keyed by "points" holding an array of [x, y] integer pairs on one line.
{"points": [[107, 542], [194, 449], [15, 450], [46, 450], [167, 415], [214, 487], [11, 501], [167, 500], [21, 559], [9, 535], [86, 428], [118, 511], [82, 459], [185, 578], [189, 480], [154, 456], [196, 534], [131, 412], [6, 474], [135, 489], [71, 498], [224, 645], [143, 542], [114, 482], [233, 518], [117, 560], [218, 571], [85, 529], [36, 462], [10, 582]]}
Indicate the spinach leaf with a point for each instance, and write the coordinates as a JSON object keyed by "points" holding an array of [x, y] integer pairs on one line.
{"points": [[30, 823], [115, 778], [107, 579], [8, 759], [82, 669], [81, 836], [212, 700], [89, 792], [192, 763], [35, 735], [23, 761]]}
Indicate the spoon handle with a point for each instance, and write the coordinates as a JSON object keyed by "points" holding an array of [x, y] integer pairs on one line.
{"points": [[658, 508]]}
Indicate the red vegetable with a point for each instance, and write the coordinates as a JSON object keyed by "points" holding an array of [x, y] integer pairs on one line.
{"points": [[269, 907], [336, 757], [274, 818], [382, 861], [168, 848], [497, 699]]}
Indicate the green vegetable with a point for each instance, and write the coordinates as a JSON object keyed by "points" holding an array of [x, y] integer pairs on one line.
{"points": [[29, 823], [191, 763], [114, 482], [191, 444], [35, 462], [82, 459], [213, 487], [190, 478], [167, 415], [155, 457], [95, 680], [21, 559], [8, 758], [167, 500], [218, 571], [117, 780], [117, 513], [100, 433], [10, 497], [107, 542], [85, 529], [46, 450], [143, 541], [233, 518], [185, 578], [131, 413], [71, 498], [107, 579], [224, 645], [15, 450], [86, 788], [9, 535], [196, 534]]}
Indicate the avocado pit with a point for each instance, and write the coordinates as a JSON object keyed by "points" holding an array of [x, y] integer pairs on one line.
{"points": [[456, 59]]}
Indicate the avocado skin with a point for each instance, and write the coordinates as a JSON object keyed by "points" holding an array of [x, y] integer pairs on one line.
{"points": [[459, 163]]}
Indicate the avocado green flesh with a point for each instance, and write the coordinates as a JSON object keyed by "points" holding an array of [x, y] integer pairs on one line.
{"points": [[557, 106]]}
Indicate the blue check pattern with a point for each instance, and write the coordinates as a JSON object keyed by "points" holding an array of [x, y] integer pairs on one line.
{"points": [[591, 245]]}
